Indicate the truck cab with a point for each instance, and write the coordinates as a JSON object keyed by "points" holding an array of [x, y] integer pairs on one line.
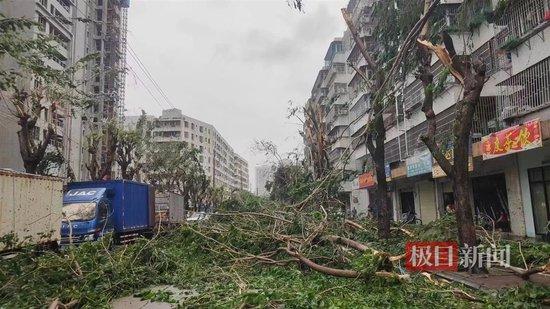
{"points": [[87, 214]]}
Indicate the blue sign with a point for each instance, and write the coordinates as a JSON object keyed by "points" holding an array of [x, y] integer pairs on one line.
{"points": [[387, 170], [419, 164]]}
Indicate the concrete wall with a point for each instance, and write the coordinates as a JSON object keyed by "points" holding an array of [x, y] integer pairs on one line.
{"points": [[359, 201]]}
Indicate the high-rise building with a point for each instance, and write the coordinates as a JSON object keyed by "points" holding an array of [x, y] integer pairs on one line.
{"points": [[58, 18], [105, 77], [223, 166], [82, 27]]}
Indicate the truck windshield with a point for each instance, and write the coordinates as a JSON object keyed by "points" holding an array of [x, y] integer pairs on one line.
{"points": [[79, 211]]}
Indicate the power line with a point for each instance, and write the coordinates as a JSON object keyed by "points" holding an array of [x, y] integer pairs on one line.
{"points": [[146, 87], [142, 66]]}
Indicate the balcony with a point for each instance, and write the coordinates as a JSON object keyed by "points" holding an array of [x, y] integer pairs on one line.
{"points": [[525, 92], [360, 103], [486, 120], [334, 112], [341, 121], [341, 143], [413, 95], [522, 20], [359, 124], [494, 60]]}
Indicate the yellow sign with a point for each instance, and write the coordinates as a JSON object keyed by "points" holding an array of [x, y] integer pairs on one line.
{"points": [[437, 171]]}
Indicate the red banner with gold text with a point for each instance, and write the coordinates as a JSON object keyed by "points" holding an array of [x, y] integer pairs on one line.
{"points": [[514, 139]]}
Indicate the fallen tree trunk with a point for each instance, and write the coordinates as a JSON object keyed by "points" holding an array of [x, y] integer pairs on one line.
{"points": [[344, 273]]}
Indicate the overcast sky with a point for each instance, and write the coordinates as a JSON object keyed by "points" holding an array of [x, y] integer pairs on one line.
{"points": [[234, 64]]}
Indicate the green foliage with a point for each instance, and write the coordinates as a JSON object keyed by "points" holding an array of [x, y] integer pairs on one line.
{"points": [[535, 253], [471, 15], [156, 296], [399, 17], [176, 168], [50, 163], [442, 83], [32, 85], [196, 258], [132, 147], [511, 43]]}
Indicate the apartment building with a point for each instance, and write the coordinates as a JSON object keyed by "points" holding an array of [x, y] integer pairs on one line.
{"points": [[105, 78], [56, 18], [264, 174], [510, 159], [220, 162], [78, 25]]}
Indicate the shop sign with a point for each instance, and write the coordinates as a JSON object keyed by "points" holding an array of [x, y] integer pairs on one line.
{"points": [[367, 180], [419, 164], [387, 169], [399, 172], [437, 171], [515, 139]]}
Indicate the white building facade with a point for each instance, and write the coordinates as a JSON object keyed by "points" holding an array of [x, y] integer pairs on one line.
{"points": [[514, 44], [223, 166], [77, 25]]}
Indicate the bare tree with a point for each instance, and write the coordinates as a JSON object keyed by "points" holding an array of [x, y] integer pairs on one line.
{"points": [[98, 168], [472, 76], [375, 133], [34, 88], [131, 149]]}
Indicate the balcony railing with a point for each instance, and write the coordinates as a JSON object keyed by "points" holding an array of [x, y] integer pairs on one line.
{"points": [[521, 18], [413, 95], [494, 59], [525, 92], [486, 120]]}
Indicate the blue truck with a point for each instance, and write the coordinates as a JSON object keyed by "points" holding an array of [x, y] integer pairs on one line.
{"points": [[94, 208]]}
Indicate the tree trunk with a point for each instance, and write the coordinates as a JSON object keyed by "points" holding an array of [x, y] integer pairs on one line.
{"points": [[30, 154], [471, 75], [377, 152], [461, 146]]}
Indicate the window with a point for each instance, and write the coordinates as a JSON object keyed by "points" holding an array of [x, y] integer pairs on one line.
{"points": [[192, 126], [539, 183], [186, 124], [186, 134], [43, 22], [44, 3]]}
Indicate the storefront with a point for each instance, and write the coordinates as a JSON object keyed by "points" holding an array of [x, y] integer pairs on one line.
{"points": [[534, 172], [417, 194], [523, 158], [360, 197]]}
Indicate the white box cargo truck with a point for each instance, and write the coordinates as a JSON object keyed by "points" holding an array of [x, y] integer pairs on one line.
{"points": [[169, 208], [30, 207]]}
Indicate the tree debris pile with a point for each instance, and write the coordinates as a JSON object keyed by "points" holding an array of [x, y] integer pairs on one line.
{"points": [[251, 253]]}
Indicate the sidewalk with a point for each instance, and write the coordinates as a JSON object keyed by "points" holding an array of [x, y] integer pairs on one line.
{"points": [[496, 279]]}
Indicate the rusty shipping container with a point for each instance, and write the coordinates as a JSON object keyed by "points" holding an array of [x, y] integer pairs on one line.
{"points": [[169, 208], [30, 207]]}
